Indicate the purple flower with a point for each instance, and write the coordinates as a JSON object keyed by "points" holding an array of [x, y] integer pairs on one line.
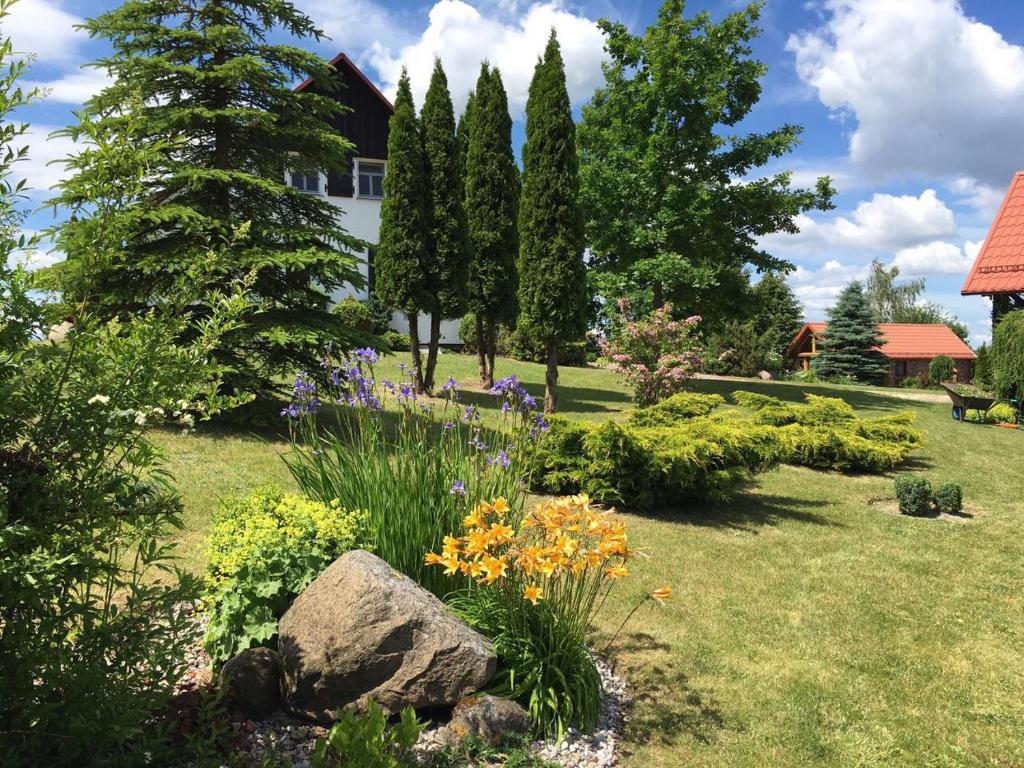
{"points": [[367, 355], [450, 385], [458, 488], [470, 413], [503, 459], [529, 402], [506, 407], [449, 425]]}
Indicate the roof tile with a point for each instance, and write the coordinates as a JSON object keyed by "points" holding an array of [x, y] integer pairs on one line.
{"points": [[999, 266]]}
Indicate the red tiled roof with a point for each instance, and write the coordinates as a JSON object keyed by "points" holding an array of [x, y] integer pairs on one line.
{"points": [[999, 266], [909, 341]]}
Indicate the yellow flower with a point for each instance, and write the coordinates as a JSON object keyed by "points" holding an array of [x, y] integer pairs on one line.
{"points": [[433, 559], [501, 533], [477, 542], [451, 565], [533, 593], [500, 506], [663, 594], [451, 545], [494, 568], [616, 572], [546, 566]]}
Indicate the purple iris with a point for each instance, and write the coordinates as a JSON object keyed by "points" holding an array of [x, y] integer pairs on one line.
{"points": [[367, 355], [450, 385], [458, 488]]}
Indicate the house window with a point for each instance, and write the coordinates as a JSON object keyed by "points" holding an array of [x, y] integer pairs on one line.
{"points": [[900, 369], [305, 181], [370, 178]]}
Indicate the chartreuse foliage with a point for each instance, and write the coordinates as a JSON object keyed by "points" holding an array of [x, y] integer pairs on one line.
{"points": [[367, 741], [553, 292], [198, 84], [688, 447], [264, 550]]}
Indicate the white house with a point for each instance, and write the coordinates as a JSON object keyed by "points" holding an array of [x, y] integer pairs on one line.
{"points": [[358, 196]]}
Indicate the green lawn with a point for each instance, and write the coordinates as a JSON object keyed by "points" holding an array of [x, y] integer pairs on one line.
{"points": [[807, 628]]}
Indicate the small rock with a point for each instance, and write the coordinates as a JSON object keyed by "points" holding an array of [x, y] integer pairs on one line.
{"points": [[252, 682], [488, 718], [764, 376]]}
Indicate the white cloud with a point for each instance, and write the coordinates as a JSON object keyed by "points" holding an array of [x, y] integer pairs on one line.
{"points": [[973, 247], [353, 25], [933, 91], [42, 28], [883, 223], [983, 198], [462, 36], [818, 289], [73, 87], [934, 258], [38, 170]]}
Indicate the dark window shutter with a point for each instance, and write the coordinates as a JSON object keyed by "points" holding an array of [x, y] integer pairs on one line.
{"points": [[339, 185]]}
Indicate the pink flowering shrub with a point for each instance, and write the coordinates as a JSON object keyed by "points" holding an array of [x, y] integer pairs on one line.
{"points": [[657, 355]]}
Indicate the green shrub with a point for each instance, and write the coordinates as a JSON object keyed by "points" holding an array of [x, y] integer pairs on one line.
{"points": [[396, 341], [825, 411], [264, 550], [1007, 355], [841, 450], [382, 313], [1001, 413], [941, 369], [678, 407], [355, 315], [366, 741], [913, 494], [767, 409], [949, 498]]}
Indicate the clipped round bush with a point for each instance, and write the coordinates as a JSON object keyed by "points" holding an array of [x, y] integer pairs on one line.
{"points": [[1001, 413], [354, 314], [396, 341], [913, 494], [949, 498], [941, 369]]}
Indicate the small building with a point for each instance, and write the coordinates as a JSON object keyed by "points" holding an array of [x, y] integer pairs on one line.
{"points": [[358, 193], [910, 348], [998, 270]]}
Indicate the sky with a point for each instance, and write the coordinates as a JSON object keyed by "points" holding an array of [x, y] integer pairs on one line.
{"points": [[913, 107]]}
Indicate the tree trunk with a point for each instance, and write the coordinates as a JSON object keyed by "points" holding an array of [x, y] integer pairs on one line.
{"points": [[658, 292], [551, 379], [481, 348], [492, 342], [435, 340], [414, 349]]}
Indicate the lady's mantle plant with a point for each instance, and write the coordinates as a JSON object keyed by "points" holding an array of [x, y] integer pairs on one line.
{"points": [[412, 465], [657, 355]]}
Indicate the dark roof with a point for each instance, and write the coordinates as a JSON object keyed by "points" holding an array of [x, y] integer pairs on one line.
{"points": [[343, 61]]}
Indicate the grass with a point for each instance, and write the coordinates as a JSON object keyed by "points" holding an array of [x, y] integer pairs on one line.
{"points": [[808, 628]]}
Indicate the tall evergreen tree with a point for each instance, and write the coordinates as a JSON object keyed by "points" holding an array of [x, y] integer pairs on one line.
{"points": [[778, 316], [492, 206], [672, 211], [404, 252], [852, 342], [553, 297], [448, 227], [462, 140], [199, 81]]}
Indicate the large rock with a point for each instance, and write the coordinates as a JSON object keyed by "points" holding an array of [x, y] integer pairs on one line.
{"points": [[362, 630], [252, 682], [487, 718]]}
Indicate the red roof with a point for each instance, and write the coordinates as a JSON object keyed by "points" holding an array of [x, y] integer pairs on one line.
{"points": [[907, 341], [999, 267]]}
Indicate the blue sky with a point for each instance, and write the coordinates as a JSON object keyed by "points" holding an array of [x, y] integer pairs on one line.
{"points": [[914, 107]]}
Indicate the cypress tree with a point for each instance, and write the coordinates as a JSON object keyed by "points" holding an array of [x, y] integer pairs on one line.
{"points": [[462, 141], [851, 343], [552, 275], [199, 83], [492, 206], [403, 254], [448, 228]]}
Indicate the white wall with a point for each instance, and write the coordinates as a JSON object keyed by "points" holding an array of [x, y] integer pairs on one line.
{"points": [[360, 217]]}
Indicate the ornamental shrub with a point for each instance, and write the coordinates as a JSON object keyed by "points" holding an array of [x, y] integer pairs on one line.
{"points": [[414, 469], [678, 407], [657, 355], [536, 582], [941, 369], [396, 340], [949, 498], [913, 494], [1007, 356], [1001, 413], [264, 550], [354, 315]]}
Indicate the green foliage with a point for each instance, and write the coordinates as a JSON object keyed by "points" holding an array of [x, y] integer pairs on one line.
{"points": [[700, 458], [521, 344], [778, 316], [851, 343], [203, 121], [949, 498], [403, 257], [375, 461], [355, 315], [666, 215], [739, 350], [366, 741], [1008, 356], [382, 313], [913, 494], [553, 294], [901, 303], [516, 751], [396, 340], [448, 225], [941, 369], [983, 367], [679, 407], [265, 549], [1001, 413], [492, 205]]}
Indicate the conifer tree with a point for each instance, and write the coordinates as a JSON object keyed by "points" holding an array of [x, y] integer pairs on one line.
{"points": [[403, 254], [552, 276], [449, 235], [199, 81], [462, 140], [778, 316], [852, 342], [492, 206]]}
